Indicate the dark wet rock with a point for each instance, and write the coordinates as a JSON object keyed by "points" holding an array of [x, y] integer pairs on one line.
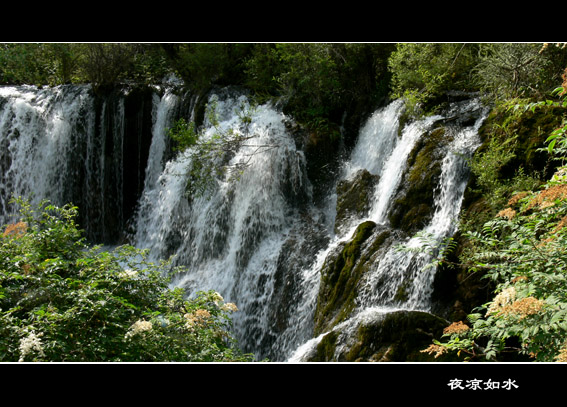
{"points": [[354, 198], [396, 336]]}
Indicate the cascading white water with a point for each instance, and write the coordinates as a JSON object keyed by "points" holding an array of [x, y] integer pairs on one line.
{"points": [[230, 238], [408, 269], [36, 140], [249, 239], [394, 166], [376, 141]]}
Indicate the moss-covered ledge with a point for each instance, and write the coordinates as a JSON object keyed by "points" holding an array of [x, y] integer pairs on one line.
{"points": [[354, 198], [342, 272], [413, 204], [396, 336]]}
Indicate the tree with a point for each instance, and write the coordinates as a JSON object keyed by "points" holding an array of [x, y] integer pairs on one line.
{"points": [[423, 72], [519, 69]]}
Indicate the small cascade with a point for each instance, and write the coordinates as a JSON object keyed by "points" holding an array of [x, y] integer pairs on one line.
{"points": [[36, 141]]}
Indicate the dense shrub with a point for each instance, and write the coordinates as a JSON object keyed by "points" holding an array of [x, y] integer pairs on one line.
{"points": [[61, 300], [522, 250]]}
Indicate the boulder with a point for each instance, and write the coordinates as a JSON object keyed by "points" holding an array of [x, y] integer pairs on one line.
{"points": [[384, 336], [354, 198]]}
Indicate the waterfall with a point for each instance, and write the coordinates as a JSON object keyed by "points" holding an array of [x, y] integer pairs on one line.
{"points": [[382, 151], [397, 266], [35, 141], [67, 145], [256, 238], [230, 239]]}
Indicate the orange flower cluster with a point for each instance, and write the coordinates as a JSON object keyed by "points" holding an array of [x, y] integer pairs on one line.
{"points": [[456, 328], [437, 350], [547, 197], [524, 307], [16, 229], [520, 195], [507, 213]]}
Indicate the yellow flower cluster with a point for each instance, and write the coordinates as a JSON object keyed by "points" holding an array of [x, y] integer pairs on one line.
{"points": [[198, 317]]}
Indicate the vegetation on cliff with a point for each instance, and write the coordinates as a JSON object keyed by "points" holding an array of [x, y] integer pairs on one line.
{"points": [[521, 249]]}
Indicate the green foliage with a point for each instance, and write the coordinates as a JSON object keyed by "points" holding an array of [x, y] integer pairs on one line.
{"points": [[423, 72], [100, 64], [511, 158], [318, 81], [557, 141], [24, 64], [522, 250], [518, 69], [487, 164], [61, 300], [202, 65]]}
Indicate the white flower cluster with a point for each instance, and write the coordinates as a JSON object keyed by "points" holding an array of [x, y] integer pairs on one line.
{"points": [[138, 327], [504, 298], [30, 343], [229, 306], [197, 318], [128, 273]]}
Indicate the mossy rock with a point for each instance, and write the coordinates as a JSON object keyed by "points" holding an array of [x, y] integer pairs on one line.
{"points": [[413, 204], [354, 198], [341, 274], [397, 336]]}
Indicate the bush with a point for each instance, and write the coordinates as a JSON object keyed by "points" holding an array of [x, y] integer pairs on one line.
{"points": [[61, 300], [522, 250]]}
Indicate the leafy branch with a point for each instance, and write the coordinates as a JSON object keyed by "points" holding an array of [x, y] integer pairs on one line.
{"points": [[210, 151]]}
